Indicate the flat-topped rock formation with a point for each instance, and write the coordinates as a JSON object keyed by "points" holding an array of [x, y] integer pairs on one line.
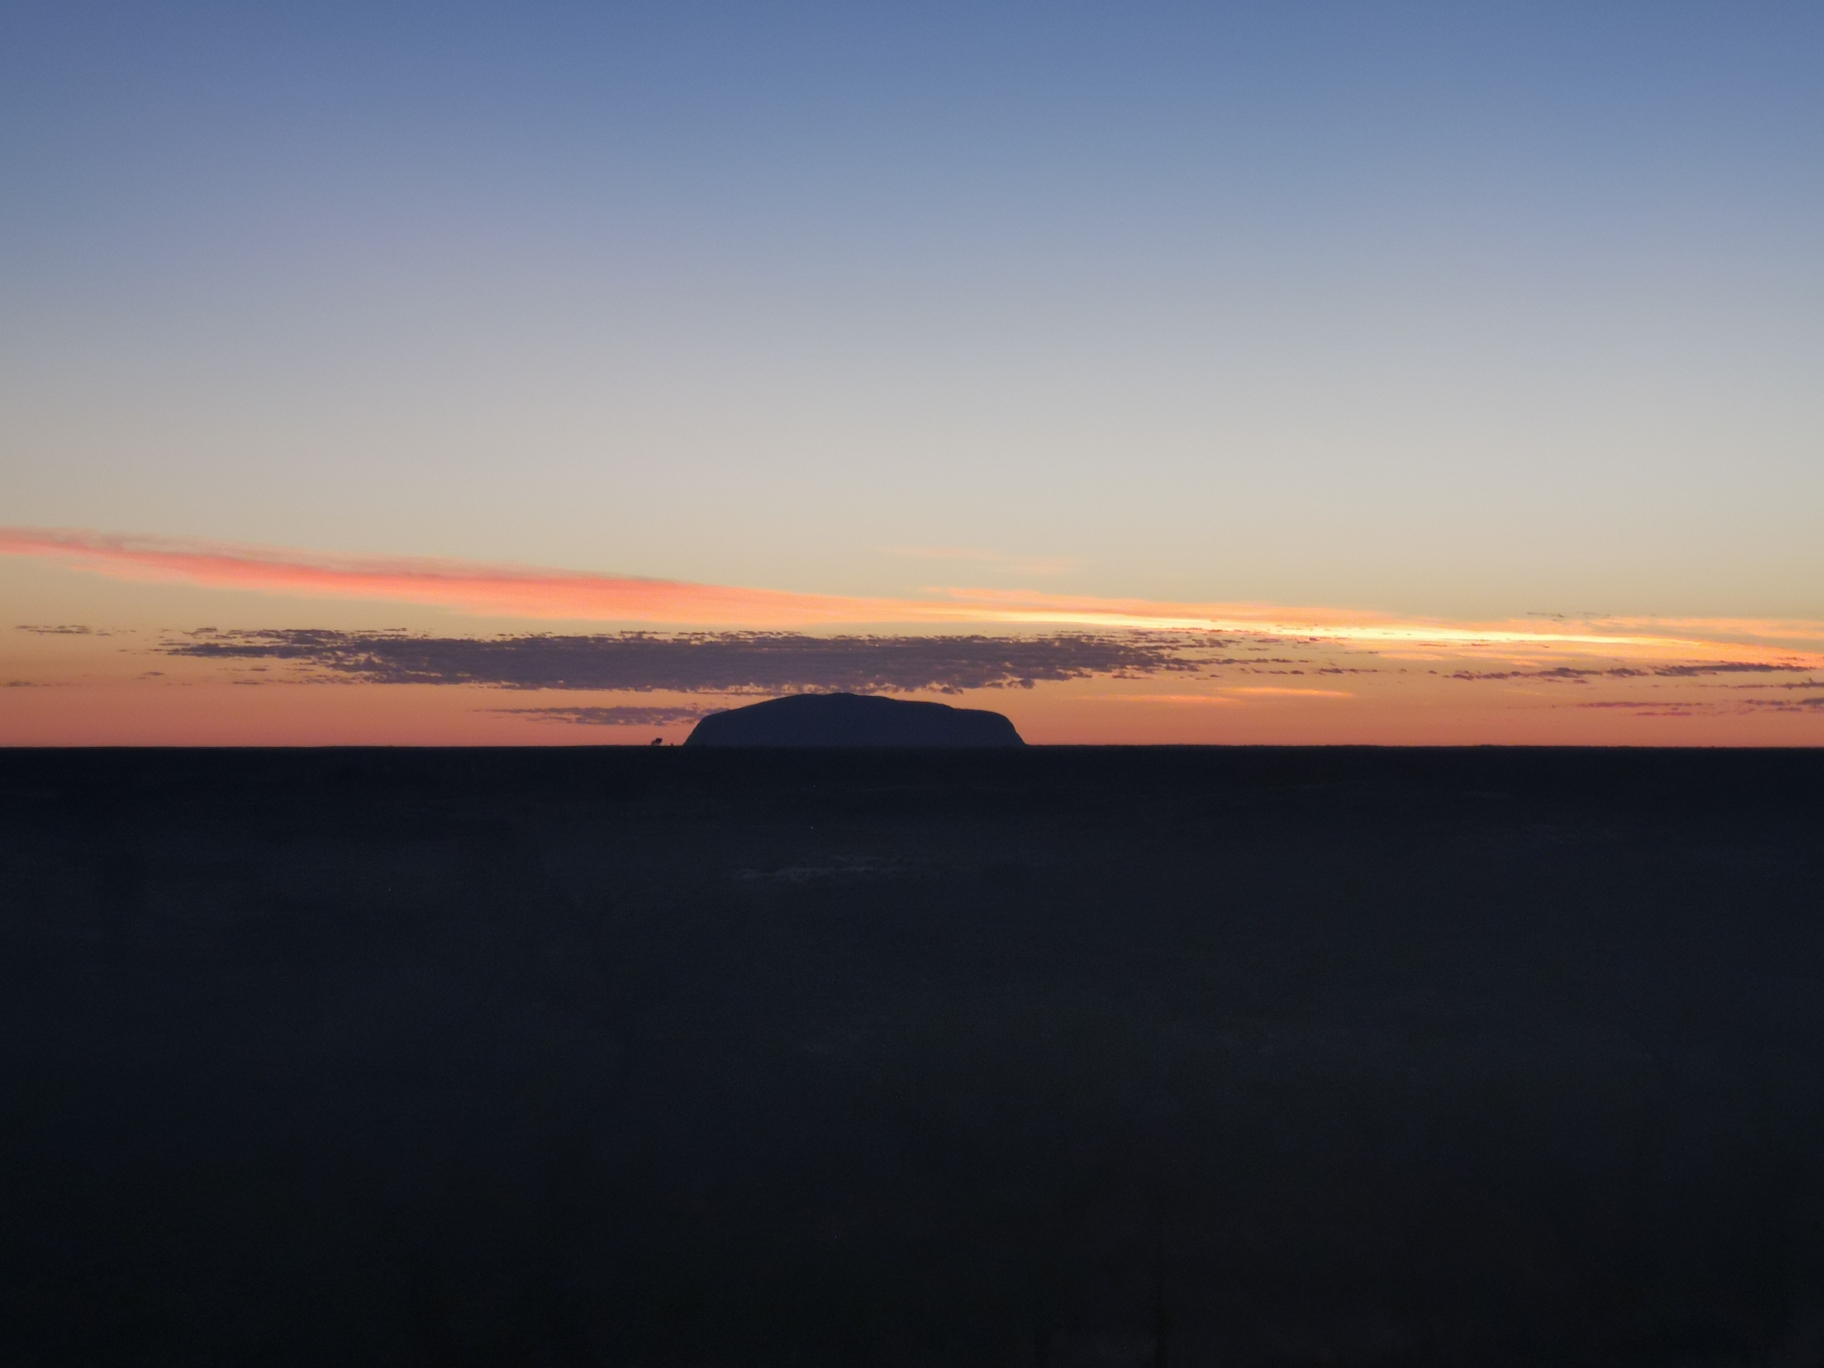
{"points": [[843, 719]]}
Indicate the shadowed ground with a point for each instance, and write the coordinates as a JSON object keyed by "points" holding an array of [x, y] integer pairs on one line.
{"points": [[1068, 1056]]}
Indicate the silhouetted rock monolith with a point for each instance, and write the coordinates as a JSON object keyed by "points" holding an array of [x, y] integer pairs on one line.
{"points": [[842, 719]]}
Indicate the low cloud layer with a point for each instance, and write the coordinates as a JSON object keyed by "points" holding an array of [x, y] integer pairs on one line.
{"points": [[520, 591], [630, 715], [1565, 674], [706, 662], [1681, 707]]}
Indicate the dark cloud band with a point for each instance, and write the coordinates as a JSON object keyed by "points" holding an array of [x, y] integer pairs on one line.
{"points": [[626, 716], [706, 662], [1565, 674]]}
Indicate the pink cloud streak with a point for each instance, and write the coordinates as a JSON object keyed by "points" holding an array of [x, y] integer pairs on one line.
{"points": [[466, 586]]}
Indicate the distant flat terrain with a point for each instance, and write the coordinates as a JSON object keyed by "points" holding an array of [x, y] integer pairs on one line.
{"points": [[630, 1056]]}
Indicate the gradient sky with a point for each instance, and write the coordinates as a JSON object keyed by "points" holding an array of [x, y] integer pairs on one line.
{"points": [[1394, 313]]}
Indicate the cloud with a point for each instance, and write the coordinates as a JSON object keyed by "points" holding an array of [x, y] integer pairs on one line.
{"points": [[59, 631], [528, 591], [703, 662], [1652, 707], [1640, 703], [625, 716], [1735, 705], [1564, 674], [467, 586], [1725, 667], [1560, 674]]}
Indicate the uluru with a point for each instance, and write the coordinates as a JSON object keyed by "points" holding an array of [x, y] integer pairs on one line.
{"points": [[845, 719]]}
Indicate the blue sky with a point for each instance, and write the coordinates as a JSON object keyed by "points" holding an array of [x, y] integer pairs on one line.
{"points": [[1426, 309]]}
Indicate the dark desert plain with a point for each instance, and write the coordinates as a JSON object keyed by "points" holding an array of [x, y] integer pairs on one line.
{"points": [[1063, 1055]]}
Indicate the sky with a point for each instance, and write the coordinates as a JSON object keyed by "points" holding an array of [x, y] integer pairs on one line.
{"points": [[1125, 368]]}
